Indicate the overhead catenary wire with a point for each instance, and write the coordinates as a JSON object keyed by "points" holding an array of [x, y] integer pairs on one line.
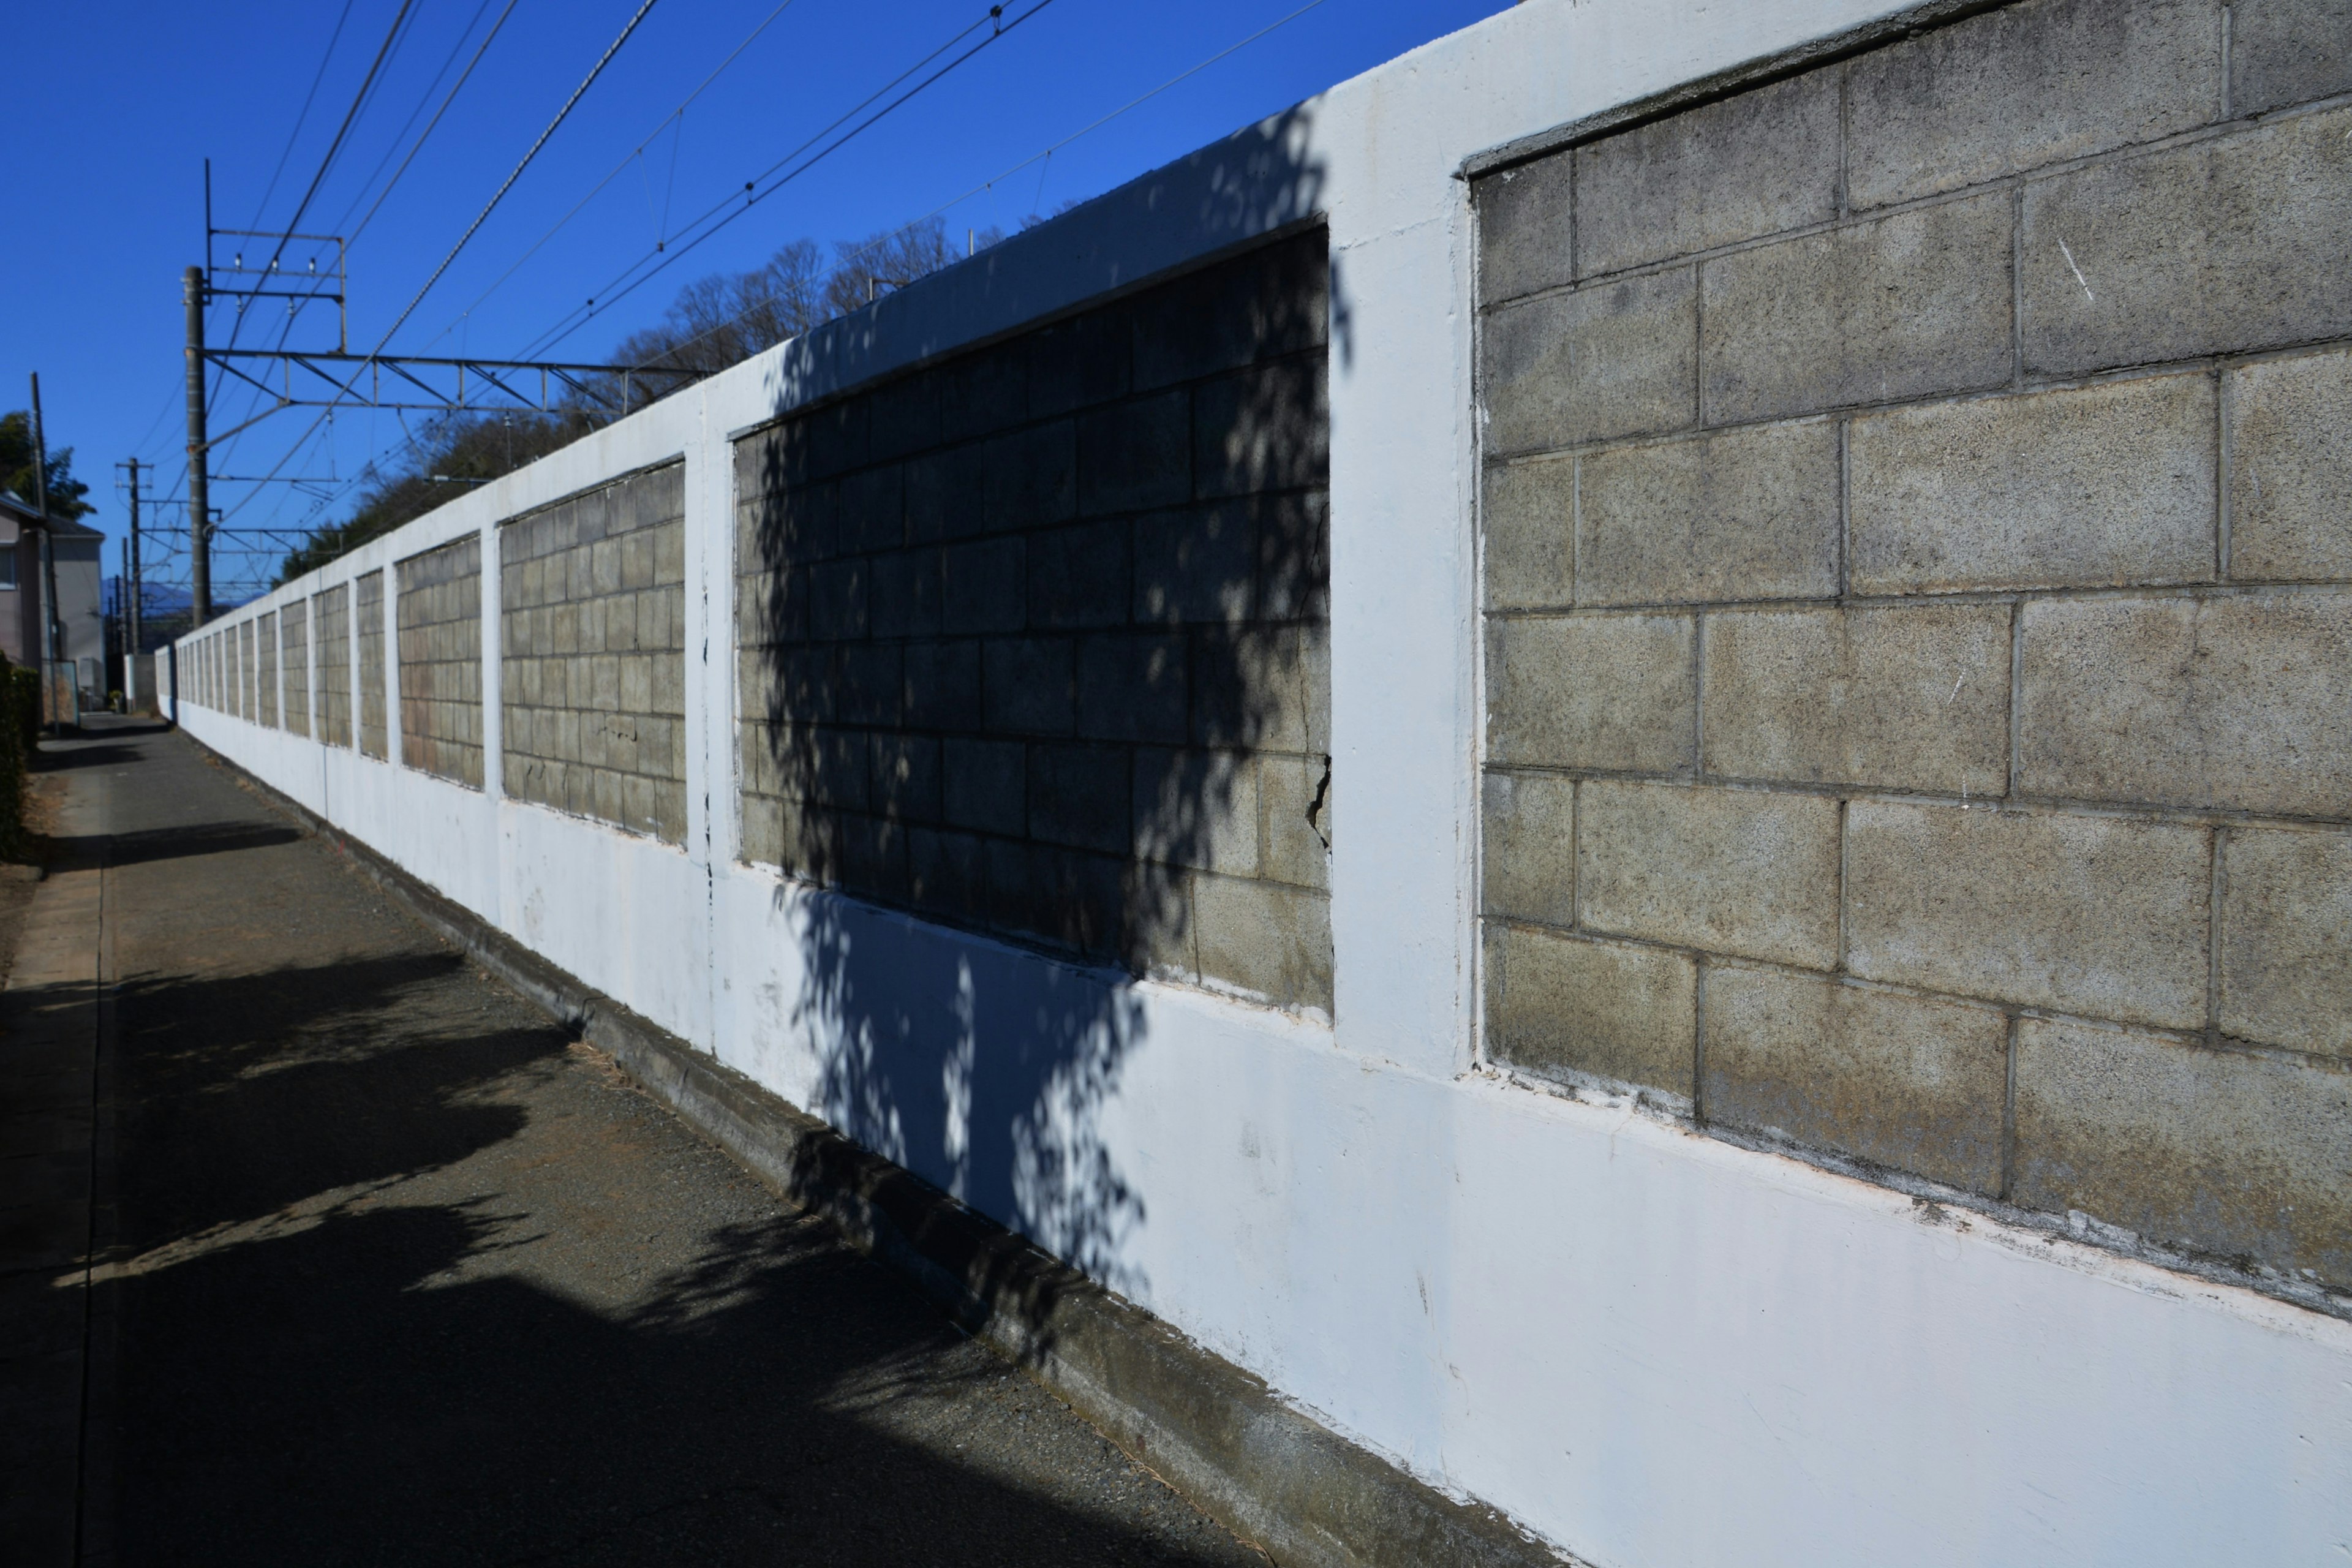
{"points": [[418, 144]]}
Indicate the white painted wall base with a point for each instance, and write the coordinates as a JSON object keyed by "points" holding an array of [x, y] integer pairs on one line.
{"points": [[1655, 1349]]}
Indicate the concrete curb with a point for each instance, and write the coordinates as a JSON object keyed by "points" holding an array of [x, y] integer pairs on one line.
{"points": [[1218, 1435]]}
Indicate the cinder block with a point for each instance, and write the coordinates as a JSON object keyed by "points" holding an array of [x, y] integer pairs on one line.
{"points": [[946, 874], [1266, 428], [1030, 477], [1735, 871], [985, 784], [1529, 516], [1524, 239], [983, 391], [1916, 1083], [869, 682], [1294, 555], [2241, 1155], [1263, 939], [944, 495], [1079, 576], [1294, 804], [1902, 306], [1085, 360], [903, 415], [2096, 915], [2093, 487], [2218, 246], [1027, 685], [2291, 468], [837, 599], [1751, 164], [942, 686], [981, 586], [1135, 454], [1263, 686], [1561, 1005], [1078, 797], [1199, 565], [1269, 302], [1131, 687], [2288, 51], [2024, 86], [1910, 697], [1615, 691], [906, 777], [1197, 809], [904, 593], [2234, 704], [1526, 853], [2286, 939], [1747, 514], [1612, 360]]}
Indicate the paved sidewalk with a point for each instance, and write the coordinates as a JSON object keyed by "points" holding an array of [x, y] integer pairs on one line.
{"points": [[394, 1272]]}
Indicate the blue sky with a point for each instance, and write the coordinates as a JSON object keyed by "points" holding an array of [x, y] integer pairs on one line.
{"points": [[115, 106]]}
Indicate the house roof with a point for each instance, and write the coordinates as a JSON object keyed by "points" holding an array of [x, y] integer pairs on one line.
{"points": [[27, 514]]}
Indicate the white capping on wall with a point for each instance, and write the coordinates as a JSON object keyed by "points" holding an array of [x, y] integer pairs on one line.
{"points": [[1651, 1348]]}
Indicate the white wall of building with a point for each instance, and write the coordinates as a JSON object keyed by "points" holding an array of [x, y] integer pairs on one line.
{"points": [[1652, 1348]]}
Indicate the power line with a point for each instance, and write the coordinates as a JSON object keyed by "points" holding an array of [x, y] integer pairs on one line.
{"points": [[560, 114], [300, 120], [752, 195], [437, 113]]}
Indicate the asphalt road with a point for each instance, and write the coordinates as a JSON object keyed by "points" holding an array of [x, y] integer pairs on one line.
{"points": [[390, 1270]]}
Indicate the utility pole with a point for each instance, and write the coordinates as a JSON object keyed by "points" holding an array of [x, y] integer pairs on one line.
{"points": [[55, 642], [200, 568], [138, 603]]}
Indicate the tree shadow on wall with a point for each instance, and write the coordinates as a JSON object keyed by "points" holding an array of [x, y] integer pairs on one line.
{"points": [[1034, 646]]}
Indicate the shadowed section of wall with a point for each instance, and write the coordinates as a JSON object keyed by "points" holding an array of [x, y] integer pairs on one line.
{"points": [[330, 621], [1918, 616], [246, 705], [375, 729], [294, 639], [1033, 640], [591, 654], [440, 611]]}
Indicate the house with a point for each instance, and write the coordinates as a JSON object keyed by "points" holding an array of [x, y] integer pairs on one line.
{"points": [[76, 547]]}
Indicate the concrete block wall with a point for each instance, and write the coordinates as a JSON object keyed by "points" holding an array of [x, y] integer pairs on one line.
{"points": [[1916, 543], [330, 619], [294, 643], [439, 605], [373, 731], [1033, 640], [592, 654], [248, 705], [265, 679]]}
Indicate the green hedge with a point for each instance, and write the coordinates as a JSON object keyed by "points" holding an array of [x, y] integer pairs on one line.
{"points": [[20, 733]]}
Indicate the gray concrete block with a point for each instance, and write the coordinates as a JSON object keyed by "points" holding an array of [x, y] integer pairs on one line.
{"points": [[2095, 915], [2288, 51], [2291, 468], [2286, 939], [1528, 514], [1264, 687], [983, 391], [1085, 360], [985, 786], [1613, 692], [904, 593], [2246, 1156], [907, 777], [1294, 805], [1735, 871], [837, 606], [1027, 685], [1912, 697], [1747, 514], [1294, 555], [1616, 359], [873, 511], [903, 415], [1268, 302], [942, 686], [1199, 565], [981, 586], [837, 436], [1266, 428], [1904, 305], [1030, 477], [1754, 163], [1078, 797], [944, 494], [2218, 246], [1527, 846], [1131, 687], [1196, 809], [2093, 487], [1912, 1083], [2233, 703], [1135, 454], [1562, 1007], [1264, 939], [1080, 576], [2024, 86], [1524, 234], [946, 874]]}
